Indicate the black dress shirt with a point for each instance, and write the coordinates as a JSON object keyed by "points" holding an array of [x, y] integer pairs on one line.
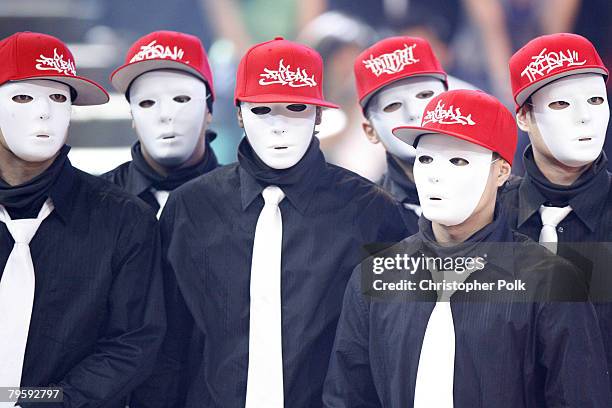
{"points": [[585, 235], [396, 182], [510, 352], [208, 228], [138, 177], [98, 317]]}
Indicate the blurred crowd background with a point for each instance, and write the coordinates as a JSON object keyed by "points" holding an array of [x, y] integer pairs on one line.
{"points": [[472, 38]]}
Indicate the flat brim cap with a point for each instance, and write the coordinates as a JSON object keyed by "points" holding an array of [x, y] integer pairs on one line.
{"points": [[391, 60], [164, 50], [35, 56], [551, 57], [473, 116], [281, 71]]}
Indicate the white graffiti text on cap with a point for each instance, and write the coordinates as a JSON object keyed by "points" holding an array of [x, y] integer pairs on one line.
{"points": [[158, 51], [450, 116], [285, 76], [392, 62], [56, 63], [543, 63]]}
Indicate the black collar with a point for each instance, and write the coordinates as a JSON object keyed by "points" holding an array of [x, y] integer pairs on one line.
{"points": [[397, 183], [299, 182], [142, 177], [587, 196], [63, 191]]}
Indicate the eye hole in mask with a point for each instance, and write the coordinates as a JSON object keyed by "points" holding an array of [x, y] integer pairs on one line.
{"points": [[392, 107], [425, 95], [296, 107], [458, 161], [59, 98], [22, 98], [596, 100], [147, 103], [558, 105], [425, 159], [261, 110], [181, 99]]}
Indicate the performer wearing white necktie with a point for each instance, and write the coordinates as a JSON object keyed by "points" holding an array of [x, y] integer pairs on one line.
{"points": [[17, 294], [551, 217], [394, 97], [265, 375], [171, 102]]}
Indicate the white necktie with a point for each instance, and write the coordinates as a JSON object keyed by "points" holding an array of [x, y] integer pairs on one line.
{"points": [[265, 373], [17, 295], [551, 217], [414, 208], [162, 198], [436, 370]]}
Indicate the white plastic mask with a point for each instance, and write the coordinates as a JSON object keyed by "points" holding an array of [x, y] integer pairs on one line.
{"points": [[451, 176], [34, 118], [572, 115], [401, 103], [279, 133], [169, 111]]}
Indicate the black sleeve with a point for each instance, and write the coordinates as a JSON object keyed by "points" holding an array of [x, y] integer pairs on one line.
{"points": [[127, 346], [349, 381], [572, 355]]}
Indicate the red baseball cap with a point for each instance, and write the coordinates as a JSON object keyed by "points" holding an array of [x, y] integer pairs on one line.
{"points": [[469, 115], [548, 58], [164, 50], [27, 55], [393, 59], [281, 71]]}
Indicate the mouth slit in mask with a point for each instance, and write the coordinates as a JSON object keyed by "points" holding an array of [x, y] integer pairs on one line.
{"points": [[572, 117], [34, 118], [279, 133]]}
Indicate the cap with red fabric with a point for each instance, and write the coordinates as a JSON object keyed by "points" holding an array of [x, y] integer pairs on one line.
{"points": [[393, 59], [27, 55], [164, 50], [548, 58], [280, 71], [469, 115]]}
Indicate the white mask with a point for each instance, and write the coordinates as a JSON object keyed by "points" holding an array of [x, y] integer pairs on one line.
{"points": [[572, 115], [401, 103], [169, 111], [279, 133], [34, 118], [450, 175]]}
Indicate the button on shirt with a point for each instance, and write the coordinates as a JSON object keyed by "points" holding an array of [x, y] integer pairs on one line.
{"points": [[584, 236], [208, 229], [508, 354], [98, 317]]}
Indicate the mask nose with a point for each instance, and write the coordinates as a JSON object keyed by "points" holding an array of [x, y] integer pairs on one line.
{"points": [[583, 113], [166, 112], [413, 114], [43, 109]]}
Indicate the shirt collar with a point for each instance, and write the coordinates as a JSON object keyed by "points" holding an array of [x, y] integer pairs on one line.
{"points": [[62, 192], [589, 211], [299, 194], [397, 183], [136, 182]]}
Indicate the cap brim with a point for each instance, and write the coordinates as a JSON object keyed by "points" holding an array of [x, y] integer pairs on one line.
{"points": [[435, 74], [410, 134], [122, 77], [88, 92], [528, 90], [275, 98]]}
